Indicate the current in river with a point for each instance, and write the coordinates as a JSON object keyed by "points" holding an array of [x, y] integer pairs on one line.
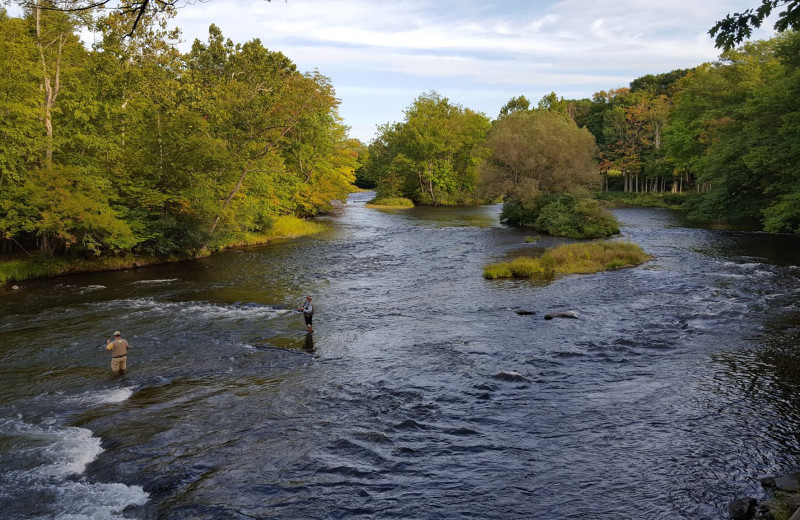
{"points": [[422, 393]]}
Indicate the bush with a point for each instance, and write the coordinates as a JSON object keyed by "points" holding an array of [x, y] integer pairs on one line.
{"points": [[565, 215]]}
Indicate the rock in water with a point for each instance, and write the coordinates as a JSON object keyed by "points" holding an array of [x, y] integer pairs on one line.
{"points": [[567, 314], [523, 312], [742, 509], [511, 376]]}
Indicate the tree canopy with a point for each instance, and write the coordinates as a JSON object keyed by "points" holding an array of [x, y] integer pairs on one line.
{"points": [[133, 146], [428, 157]]}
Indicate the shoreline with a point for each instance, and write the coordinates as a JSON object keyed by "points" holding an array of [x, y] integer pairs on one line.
{"points": [[20, 269]]}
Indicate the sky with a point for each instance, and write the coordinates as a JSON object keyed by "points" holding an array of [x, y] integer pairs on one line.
{"points": [[382, 54]]}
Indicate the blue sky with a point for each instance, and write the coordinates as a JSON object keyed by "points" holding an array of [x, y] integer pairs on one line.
{"points": [[380, 55]]}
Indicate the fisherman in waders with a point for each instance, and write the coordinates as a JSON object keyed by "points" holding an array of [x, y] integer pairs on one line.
{"points": [[119, 353], [308, 313]]}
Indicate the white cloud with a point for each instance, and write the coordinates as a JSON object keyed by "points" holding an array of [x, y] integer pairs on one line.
{"points": [[488, 48]]}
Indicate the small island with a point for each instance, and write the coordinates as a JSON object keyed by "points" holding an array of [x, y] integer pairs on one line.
{"points": [[390, 203], [577, 258]]}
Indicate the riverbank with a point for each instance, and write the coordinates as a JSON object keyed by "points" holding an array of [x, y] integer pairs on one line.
{"points": [[614, 199], [21, 268]]}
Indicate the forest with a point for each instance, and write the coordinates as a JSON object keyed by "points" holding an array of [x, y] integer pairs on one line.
{"points": [[133, 148], [721, 140]]}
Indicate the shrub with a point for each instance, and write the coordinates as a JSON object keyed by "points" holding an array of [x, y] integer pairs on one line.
{"points": [[566, 215]]}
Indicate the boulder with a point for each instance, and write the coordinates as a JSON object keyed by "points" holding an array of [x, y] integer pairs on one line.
{"points": [[787, 483], [742, 509]]}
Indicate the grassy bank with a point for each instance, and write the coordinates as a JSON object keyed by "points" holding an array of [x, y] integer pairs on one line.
{"points": [[579, 258], [39, 266], [390, 203], [649, 200]]}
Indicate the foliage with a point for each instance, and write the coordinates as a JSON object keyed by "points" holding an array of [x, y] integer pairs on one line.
{"points": [[133, 147], [566, 214], [734, 29], [578, 258], [428, 157], [736, 124], [651, 200], [530, 152]]}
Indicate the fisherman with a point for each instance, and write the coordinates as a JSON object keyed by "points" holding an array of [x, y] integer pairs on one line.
{"points": [[119, 353], [308, 313]]}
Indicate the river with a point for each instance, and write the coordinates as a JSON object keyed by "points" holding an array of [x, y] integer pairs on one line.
{"points": [[421, 393]]}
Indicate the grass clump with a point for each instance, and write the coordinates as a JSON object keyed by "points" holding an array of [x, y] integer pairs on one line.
{"points": [[533, 239], [579, 258], [391, 203]]}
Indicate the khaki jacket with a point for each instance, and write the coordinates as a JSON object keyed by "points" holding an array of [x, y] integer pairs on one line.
{"points": [[118, 348]]}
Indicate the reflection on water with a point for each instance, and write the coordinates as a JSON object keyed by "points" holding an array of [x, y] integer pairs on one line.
{"points": [[421, 393]]}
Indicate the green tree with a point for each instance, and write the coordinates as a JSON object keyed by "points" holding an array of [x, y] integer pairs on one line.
{"points": [[515, 104], [528, 153], [428, 157], [724, 128], [19, 100]]}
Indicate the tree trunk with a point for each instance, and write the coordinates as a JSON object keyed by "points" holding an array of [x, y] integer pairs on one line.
{"points": [[51, 86]]}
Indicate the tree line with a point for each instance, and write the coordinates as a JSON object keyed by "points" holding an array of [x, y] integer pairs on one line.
{"points": [[132, 146], [724, 135]]}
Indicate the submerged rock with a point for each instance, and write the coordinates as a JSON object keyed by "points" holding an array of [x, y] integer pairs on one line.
{"points": [[567, 314], [511, 376], [523, 312]]}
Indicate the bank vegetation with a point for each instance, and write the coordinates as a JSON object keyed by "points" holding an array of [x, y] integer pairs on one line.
{"points": [[576, 258]]}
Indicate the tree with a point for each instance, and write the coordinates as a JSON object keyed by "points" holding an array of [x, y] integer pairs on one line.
{"points": [[428, 157], [735, 28], [528, 153], [19, 100], [731, 127], [515, 104]]}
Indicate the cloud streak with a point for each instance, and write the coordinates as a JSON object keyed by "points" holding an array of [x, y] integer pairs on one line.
{"points": [[572, 47]]}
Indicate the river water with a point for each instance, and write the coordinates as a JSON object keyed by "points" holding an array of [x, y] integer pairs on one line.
{"points": [[421, 393]]}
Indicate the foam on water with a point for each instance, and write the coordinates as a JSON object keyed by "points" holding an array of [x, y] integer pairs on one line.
{"points": [[61, 453], [92, 501], [92, 288], [112, 396], [205, 310], [155, 282]]}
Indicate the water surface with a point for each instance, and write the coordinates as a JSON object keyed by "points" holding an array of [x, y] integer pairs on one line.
{"points": [[421, 394]]}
